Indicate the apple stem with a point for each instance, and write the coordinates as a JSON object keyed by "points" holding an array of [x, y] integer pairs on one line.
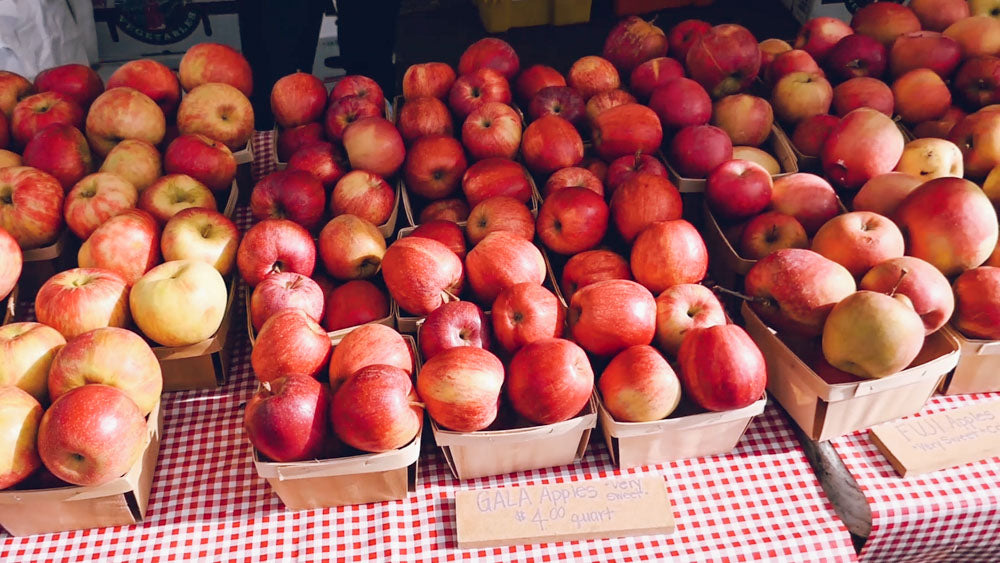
{"points": [[266, 385], [417, 404], [742, 296], [902, 274], [638, 156], [450, 295]]}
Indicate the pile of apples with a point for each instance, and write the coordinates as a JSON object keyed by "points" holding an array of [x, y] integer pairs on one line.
{"points": [[76, 405], [320, 234]]}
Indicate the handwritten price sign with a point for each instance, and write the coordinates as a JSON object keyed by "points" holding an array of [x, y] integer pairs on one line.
{"points": [[946, 439], [565, 511]]}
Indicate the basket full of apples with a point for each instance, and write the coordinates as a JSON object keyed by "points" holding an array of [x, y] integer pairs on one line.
{"points": [[350, 438], [82, 423]]}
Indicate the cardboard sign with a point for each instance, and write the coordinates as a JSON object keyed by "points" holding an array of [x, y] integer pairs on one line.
{"points": [[610, 508], [946, 439]]}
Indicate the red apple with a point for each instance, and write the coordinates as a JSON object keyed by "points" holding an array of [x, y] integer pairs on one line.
{"points": [[595, 165], [217, 111], [447, 233], [696, 150], [323, 160], [62, 151], [492, 130], [950, 223], [561, 101], [632, 42], [496, 177], [681, 102], [683, 307], [75, 81], [924, 49], [501, 260], [885, 22], [641, 201], [365, 195], [572, 220], [608, 316], [213, 62], [921, 95], [351, 248], [202, 235], [638, 385], [475, 89], [287, 419], [721, 368], [746, 119], [978, 81], [20, 412], [623, 168], [977, 295], [374, 144], [882, 194], [500, 214], [927, 289], [342, 112], [738, 189], [602, 101], [152, 78], [492, 53], [591, 74], [455, 324], [937, 15], [354, 303], [590, 267], [13, 88], [788, 62], [376, 410], [550, 380], [358, 85], [81, 299], [434, 166], [818, 35], [652, 74], [11, 262], [769, 49], [856, 55], [34, 113], [626, 130], [550, 143], [863, 92], [534, 78], [285, 290], [725, 60], [461, 388], [427, 80], [423, 116], [31, 203], [977, 135], [174, 193], [668, 253], [289, 342], [807, 197], [811, 133], [275, 245], [683, 36], [91, 435], [848, 167], [204, 159], [524, 313], [977, 35], [572, 177], [858, 241], [368, 345], [769, 232], [800, 306], [453, 209], [291, 140], [127, 244], [95, 199], [421, 274]]}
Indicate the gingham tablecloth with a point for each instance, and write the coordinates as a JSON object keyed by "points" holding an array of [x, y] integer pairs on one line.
{"points": [[761, 501], [948, 515]]}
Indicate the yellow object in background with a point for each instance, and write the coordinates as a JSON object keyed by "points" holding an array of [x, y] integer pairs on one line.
{"points": [[500, 15]]}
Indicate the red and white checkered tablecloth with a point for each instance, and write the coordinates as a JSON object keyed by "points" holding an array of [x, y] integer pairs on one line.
{"points": [[264, 158], [948, 515], [761, 501]]}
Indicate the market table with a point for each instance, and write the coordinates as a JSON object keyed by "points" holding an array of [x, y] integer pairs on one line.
{"points": [[947, 515], [761, 501]]}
